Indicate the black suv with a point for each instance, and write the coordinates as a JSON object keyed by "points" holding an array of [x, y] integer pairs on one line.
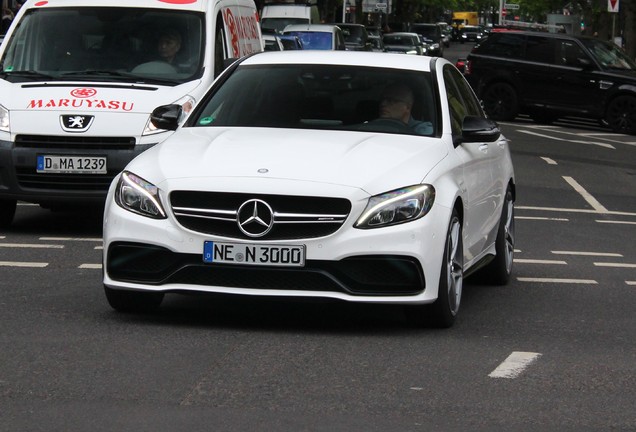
{"points": [[550, 75]]}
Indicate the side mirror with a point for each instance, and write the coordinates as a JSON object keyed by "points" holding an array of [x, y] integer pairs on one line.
{"points": [[166, 117], [478, 129]]}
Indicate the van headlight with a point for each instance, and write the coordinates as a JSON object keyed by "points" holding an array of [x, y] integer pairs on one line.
{"points": [[398, 206], [139, 196], [4, 119]]}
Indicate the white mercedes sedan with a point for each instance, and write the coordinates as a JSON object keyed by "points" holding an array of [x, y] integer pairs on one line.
{"points": [[355, 176]]}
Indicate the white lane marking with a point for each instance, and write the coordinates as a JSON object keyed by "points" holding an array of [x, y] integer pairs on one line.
{"points": [[22, 264], [70, 239], [549, 161], [99, 248], [538, 261], [31, 246], [2, 237], [557, 280], [618, 265], [571, 210], [25, 204], [616, 222], [542, 218], [586, 195], [514, 365], [600, 144], [90, 266], [633, 283], [603, 254]]}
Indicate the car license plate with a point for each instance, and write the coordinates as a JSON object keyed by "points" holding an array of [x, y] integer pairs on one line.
{"points": [[253, 254], [71, 164]]}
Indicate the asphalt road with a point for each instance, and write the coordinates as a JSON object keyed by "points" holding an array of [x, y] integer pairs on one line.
{"points": [[552, 351]]}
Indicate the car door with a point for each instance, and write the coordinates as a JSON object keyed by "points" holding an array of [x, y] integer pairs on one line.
{"points": [[482, 193]]}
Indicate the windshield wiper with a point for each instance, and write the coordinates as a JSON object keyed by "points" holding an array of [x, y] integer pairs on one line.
{"points": [[26, 74]]}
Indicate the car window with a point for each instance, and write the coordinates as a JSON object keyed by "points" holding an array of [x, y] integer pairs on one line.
{"points": [[609, 56], [508, 45], [569, 53], [314, 40], [316, 97], [540, 49], [461, 99]]}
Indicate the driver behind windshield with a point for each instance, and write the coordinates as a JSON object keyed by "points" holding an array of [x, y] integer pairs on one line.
{"points": [[396, 104]]}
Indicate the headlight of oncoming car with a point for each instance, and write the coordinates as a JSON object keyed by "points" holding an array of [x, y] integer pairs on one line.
{"points": [[138, 196], [4, 119], [398, 206]]}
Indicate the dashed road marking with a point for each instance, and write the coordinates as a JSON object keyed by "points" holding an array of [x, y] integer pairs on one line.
{"points": [[549, 161], [542, 218], [90, 266], [633, 283], [616, 222], [31, 246], [600, 144], [89, 239], [581, 253], [538, 261], [514, 365], [558, 280], [22, 264], [617, 265]]}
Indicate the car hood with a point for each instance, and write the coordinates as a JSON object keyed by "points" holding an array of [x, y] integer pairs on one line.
{"points": [[215, 157]]}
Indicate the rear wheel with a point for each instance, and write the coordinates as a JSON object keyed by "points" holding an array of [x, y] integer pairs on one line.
{"points": [[133, 301], [500, 102], [443, 311], [621, 115], [7, 212]]}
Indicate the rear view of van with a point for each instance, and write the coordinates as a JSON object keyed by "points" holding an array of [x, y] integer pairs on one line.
{"points": [[276, 16], [79, 79]]}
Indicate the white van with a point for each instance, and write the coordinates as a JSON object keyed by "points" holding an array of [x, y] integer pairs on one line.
{"points": [[276, 16], [79, 79]]}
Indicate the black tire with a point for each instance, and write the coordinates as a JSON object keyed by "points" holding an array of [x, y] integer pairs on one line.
{"points": [[7, 212], [443, 312], [501, 102], [133, 301], [621, 115], [498, 271]]}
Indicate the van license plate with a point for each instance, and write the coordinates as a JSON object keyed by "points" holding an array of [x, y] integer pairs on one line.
{"points": [[71, 164], [253, 254]]}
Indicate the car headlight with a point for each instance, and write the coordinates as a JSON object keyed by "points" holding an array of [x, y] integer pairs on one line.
{"points": [[398, 206], [436, 46], [187, 104], [138, 196], [4, 119]]}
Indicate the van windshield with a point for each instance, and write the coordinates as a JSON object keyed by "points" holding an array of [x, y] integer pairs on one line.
{"points": [[278, 24], [106, 43]]}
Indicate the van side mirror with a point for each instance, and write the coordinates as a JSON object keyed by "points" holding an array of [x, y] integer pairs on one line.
{"points": [[166, 117]]}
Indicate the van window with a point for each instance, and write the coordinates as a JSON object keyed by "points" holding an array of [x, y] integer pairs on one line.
{"points": [[107, 42]]}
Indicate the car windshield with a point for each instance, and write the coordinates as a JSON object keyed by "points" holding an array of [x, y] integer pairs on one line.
{"points": [[327, 97], [353, 35], [109, 43], [609, 55], [314, 40], [429, 32], [399, 40]]}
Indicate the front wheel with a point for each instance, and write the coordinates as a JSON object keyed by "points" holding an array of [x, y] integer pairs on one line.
{"points": [[621, 115], [500, 102], [498, 271], [443, 312], [133, 301]]}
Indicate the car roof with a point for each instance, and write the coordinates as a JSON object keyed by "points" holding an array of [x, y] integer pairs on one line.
{"points": [[401, 34], [310, 27], [345, 58]]}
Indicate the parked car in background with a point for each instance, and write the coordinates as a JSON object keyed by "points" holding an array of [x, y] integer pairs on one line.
{"points": [[405, 43], [356, 37], [292, 178], [273, 42], [446, 33], [552, 75], [432, 36], [317, 36], [471, 34]]}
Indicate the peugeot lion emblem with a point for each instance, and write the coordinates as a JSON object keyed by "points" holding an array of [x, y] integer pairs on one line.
{"points": [[255, 218], [76, 122]]}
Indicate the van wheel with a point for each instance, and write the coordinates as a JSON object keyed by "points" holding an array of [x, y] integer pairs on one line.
{"points": [[500, 101], [621, 115], [7, 212]]}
